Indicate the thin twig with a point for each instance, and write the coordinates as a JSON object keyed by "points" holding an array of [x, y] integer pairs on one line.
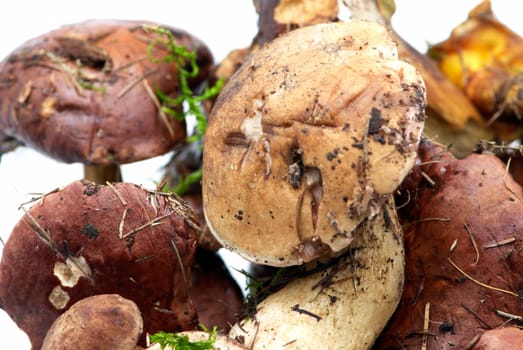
{"points": [[474, 244], [509, 316], [426, 318], [453, 245], [135, 82], [118, 194], [121, 225], [185, 283], [481, 283], [147, 224], [505, 182], [158, 105], [475, 314], [500, 243], [431, 182]]}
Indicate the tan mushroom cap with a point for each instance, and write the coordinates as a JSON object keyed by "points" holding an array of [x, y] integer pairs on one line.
{"points": [[105, 321], [307, 138]]}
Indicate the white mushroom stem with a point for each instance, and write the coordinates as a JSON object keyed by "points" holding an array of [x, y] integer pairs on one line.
{"points": [[343, 307]]}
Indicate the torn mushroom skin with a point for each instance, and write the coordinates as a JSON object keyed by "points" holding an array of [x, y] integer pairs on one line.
{"points": [[307, 140], [86, 92], [88, 239]]}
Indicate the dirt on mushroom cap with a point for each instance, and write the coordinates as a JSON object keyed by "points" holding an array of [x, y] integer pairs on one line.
{"points": [[305, 139]]}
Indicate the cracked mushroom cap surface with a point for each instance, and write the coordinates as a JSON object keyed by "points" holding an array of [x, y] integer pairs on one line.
{"points": [[307, 138], [88, 239], [86, 92], [105, 321]]}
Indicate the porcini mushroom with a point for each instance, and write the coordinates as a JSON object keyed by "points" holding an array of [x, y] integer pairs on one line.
{"points": [[343, 306], [87, 92], [307, 140], [463, 231], [87, 239], [305, 146], [105, 321]]}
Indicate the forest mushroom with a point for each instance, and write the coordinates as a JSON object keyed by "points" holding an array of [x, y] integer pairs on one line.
{"points": [[86, 92], [305, 146], [307, 140], [343, 306], [87, 239], [463, 229], [105, 321]]}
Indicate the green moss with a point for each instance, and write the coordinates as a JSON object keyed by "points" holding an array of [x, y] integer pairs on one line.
{"points": [[181, 341]]}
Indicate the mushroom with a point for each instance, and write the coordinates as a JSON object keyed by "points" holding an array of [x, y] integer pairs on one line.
{"points": [[307, 140], [87, 239], [344, 305], [509, 338], [85, 92], [105, 321], [463, 224], [305, 146], [216, 296]]}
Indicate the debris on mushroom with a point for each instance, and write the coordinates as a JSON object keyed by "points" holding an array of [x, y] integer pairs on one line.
{"points": [[343, 306], [307, 140], [104, 321], [88, 92], [87, 239], [463, 224]]}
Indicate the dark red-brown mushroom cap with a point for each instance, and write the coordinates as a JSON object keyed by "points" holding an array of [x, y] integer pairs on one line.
{"points": [[86, 92], [89, 239]]}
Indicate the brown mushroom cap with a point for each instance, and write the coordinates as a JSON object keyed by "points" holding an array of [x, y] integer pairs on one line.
{"points": [[85, 92], [105, 321], [88, 239], [509, 338], [216, 295], [305, 140], [464, 251]]}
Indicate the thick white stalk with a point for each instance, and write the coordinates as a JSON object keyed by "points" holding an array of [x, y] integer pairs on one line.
{"points": [[345, 306]]}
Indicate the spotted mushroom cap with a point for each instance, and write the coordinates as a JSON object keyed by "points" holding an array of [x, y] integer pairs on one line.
{"points": [[86, 92], [87, 239], [306, 139]]}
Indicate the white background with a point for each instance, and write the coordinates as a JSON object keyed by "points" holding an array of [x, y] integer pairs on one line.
{"points": [[222, 25]]}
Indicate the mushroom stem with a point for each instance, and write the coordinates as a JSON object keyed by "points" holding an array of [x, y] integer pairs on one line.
{"points": [[343, 307], [101, 174]]}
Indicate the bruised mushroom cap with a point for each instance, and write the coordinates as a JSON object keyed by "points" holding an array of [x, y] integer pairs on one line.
{"points": [[88, 239], [305, 140], [85, 92], [105, 321]]}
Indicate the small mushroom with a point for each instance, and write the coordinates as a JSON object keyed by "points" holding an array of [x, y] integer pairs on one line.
{"points": [[307, 140], [86, 92], [105, 321], [88, 239]]}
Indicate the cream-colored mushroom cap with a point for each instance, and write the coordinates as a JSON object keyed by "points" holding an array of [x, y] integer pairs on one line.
{"points": [[307, 138]]}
